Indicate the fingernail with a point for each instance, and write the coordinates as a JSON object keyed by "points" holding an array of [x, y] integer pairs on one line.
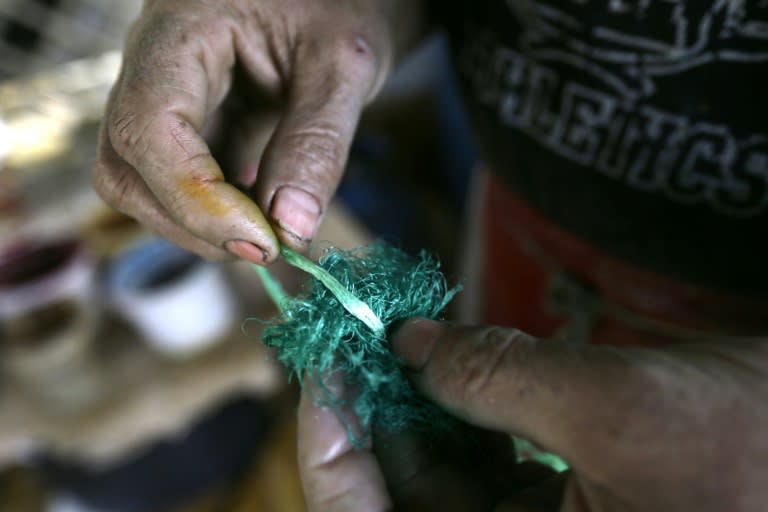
{"points": [[414, 339], [296, 212], [247, 251]]}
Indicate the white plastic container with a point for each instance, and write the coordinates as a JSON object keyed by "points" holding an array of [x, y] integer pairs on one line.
{"points": [[178, 302]]}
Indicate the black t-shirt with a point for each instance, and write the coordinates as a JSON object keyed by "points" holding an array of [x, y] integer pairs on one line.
{"points": [[638, 125]]}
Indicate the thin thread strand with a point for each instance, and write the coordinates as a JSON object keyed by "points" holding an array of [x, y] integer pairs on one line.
{"points": [[272, 286], [347, 299], [329, 349]]}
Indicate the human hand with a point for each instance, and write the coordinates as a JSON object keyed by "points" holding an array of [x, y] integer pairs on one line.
{"points": [[679, 428], [464, 469], [307, 67]]}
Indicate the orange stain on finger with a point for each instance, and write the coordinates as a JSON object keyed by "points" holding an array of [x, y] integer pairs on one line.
{"points": [[202, 193]]}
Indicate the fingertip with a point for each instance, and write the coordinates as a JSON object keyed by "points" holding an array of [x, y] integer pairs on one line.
{"points": [[247, 251], [414, 340]]}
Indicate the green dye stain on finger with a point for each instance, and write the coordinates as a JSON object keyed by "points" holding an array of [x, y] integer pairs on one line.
{"points": [[335, 329]]}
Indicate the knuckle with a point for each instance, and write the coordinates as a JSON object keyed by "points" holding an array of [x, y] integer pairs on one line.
{"points": [[353, 66], [319, 148], [182, 135], [126, 135], [480, 365], [653, 394], [357, 48], [357, 61]]}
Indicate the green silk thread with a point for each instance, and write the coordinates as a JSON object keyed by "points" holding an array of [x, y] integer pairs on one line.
{"points": [[335, 329], [348, 300], [272, 286], [397, 275]]}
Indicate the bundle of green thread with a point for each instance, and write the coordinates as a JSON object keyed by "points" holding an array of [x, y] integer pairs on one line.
{"points": [[320, 340]]}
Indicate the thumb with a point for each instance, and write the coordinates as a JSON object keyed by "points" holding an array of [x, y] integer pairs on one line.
{"points": [[559, 395], [305, 158]]}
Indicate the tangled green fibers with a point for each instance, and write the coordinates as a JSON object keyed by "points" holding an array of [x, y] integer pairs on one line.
{"points": [[318, 339]]}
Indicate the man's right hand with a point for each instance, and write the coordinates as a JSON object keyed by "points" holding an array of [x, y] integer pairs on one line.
{"points": [[319, 61]]}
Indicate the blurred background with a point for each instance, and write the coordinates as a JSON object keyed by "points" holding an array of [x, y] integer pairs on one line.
{"points": [[127, 380]]}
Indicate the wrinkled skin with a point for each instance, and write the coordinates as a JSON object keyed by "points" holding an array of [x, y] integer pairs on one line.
{"points": [[290, 77], [276, 88], [676, 429]]}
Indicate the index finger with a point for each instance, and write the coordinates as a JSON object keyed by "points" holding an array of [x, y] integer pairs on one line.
{"points": [[170, 83], [576, 400]]}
